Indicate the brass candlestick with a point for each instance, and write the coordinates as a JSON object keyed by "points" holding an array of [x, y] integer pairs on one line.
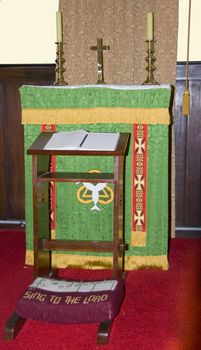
{"points": [[150, 59], [59, 79]]}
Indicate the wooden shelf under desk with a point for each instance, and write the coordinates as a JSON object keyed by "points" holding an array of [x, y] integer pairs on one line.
{"points": [[75, 177]]}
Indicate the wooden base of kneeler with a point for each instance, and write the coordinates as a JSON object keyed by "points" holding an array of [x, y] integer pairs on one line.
{"points": [[13, 326], [104, 332], [15, 323]]}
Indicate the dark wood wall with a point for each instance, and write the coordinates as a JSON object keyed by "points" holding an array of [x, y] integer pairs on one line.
{"points": [[188, 154], [11, 134], [187, 144]]}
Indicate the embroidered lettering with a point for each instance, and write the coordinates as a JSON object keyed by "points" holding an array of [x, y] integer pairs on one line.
{"points": [[72, 300], [95, 298], [55, 299], [38, 296]]}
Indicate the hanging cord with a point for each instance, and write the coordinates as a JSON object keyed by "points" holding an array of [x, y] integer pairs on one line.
{"points": [[186, 95]]}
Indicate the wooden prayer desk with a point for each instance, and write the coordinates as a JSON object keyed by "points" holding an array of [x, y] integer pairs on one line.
{"points": [[42, 177], [44, 245]]}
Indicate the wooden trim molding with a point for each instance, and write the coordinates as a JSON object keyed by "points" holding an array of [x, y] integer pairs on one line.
{"points": [[27, 71], [188, 232]]}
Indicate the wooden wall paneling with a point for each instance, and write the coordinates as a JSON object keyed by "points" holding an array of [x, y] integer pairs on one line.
{"points": [[180, 125], [2, 159], [188, 154], [192, 209], [14, 151], [12, 154]]}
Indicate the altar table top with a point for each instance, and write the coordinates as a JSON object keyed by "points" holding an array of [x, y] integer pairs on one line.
{"points": [[96, 104]]}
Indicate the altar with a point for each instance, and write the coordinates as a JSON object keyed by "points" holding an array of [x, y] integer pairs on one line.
{"points": [[142, 111]]}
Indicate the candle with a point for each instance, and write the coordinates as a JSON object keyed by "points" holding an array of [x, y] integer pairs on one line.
{"points": [[150, 26], [59, 27]]}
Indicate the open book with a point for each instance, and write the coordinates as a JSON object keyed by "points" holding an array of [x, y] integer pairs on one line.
{"points": [[83, 140]]}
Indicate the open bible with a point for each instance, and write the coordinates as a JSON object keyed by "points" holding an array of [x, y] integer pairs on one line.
{"points": [[83, 140]]}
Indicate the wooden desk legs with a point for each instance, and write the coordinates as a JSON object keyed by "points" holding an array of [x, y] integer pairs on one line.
{"points": [[118, 238], [42, 222]]}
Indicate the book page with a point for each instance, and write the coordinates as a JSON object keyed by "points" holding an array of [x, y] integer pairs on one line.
{"points": [[100, 142], [54, 285], [66, 140]]}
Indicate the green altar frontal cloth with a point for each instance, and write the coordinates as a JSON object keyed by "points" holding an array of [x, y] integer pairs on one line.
{"points": [[76, 216]]}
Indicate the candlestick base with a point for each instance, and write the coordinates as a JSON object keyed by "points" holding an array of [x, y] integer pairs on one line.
{"points": [[150, 59], [59, 70]]}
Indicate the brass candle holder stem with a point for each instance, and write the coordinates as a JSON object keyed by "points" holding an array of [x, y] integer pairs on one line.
{"points": [[150, 59], [59, 70]]}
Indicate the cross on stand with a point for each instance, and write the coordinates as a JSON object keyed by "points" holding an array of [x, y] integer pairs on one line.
{"points": [[99, 48]]}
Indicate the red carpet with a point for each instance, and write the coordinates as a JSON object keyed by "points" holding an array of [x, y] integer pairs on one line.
{"points": [[161, 309]]}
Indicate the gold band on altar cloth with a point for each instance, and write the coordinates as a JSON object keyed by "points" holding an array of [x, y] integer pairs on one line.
{"points": [[103, 262], [96, 115]]}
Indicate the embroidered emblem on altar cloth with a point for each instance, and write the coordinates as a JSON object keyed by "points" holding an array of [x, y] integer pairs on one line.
{"points": [[52, 128], [98, 193], [48, 127], [139, 167]]}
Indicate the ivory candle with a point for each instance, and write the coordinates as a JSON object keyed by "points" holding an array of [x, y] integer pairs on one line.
{"points": [[59, 27], [150, 26]]}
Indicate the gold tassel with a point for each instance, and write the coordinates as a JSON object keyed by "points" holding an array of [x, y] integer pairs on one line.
{"points": [[186, 94], [186, 102]]}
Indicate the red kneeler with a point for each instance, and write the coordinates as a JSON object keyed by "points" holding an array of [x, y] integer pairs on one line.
{"points": [[63, 301]]}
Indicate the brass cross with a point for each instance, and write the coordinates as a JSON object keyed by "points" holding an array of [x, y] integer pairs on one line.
{"points": [[99, 48]]}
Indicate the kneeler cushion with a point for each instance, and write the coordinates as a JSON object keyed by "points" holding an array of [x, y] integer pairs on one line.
{"points": [[67, 301]]}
